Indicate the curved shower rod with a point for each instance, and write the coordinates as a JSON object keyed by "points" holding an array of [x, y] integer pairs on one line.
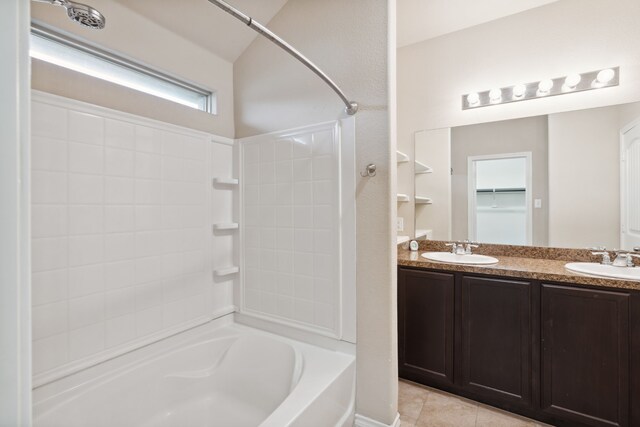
{"points": [[351, 107]]}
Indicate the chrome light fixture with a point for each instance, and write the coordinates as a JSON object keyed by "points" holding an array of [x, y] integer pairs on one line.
{"points": [[604, 77], [571, 83], [519, 91], [544, 87], [473, 99], [495, 96]]}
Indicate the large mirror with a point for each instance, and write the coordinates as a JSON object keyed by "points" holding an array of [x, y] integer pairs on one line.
{"points": [[519, 123], [568, 179]]}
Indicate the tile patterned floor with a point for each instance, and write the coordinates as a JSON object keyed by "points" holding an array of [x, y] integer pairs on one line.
{"points": [[421, 406]]}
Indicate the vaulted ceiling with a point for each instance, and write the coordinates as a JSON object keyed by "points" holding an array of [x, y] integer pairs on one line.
{"points": [[420, 20], [205, 24]]}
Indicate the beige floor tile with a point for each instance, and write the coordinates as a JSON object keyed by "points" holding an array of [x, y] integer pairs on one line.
{"points": [[421, 406], [410, 401], [411, 390], [441, 410], [488, 417], [410, 407], [404, 422]]}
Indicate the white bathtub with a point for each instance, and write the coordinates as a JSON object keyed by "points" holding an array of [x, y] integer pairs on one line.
{"points": [[229, 376]]}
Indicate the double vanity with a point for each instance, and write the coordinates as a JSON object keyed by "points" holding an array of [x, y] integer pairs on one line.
{"points": [[547, 333]]}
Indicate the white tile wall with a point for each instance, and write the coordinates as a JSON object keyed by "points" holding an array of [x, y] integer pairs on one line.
{"points": [[121, 228], [291, 189]]}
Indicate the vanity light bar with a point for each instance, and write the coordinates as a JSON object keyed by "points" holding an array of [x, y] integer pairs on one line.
{"points": [[572, 83]]}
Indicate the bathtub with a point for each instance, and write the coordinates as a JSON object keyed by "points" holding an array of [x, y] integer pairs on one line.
{"points": [[228, 376]]}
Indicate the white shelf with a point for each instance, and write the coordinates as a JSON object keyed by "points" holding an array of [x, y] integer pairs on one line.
{"points": [[225, 181], [226, 226], [403, 197], [423, 200], [424, 234], [402, 239], [422, 168], [227, 271], [402, 158]]}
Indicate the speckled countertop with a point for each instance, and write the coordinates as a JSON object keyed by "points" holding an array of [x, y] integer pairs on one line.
{"points": [[538, 266]]}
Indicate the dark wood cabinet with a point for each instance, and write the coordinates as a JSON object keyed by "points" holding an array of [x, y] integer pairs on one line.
{"points": [[566, 355], [585, 355], [426, 316], [496, 350]]}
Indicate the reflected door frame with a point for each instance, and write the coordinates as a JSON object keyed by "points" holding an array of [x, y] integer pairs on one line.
{"points": [[471, 190], [626, 242]]}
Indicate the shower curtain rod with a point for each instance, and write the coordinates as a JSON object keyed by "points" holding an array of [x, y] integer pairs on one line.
{"points": [[351, 107]]}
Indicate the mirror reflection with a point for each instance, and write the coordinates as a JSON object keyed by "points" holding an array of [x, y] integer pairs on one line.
{"points": [[569, 179]]}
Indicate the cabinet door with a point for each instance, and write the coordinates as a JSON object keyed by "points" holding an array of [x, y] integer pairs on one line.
{"points": [[585, 355], [425, 326], [497, 339]]}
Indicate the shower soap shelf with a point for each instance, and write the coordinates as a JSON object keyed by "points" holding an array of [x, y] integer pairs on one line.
{"points": [[226, 271], [226, 226], [402, 197], [401, 157], [225, 181], [422, 168], [423, 200]]}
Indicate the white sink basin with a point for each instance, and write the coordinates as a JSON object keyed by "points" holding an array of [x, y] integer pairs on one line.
{"points": [[459, 259], [595, 269]]}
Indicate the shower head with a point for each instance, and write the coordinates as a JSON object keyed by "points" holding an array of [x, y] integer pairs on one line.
{"points": [[85, 15], [81, 13]]}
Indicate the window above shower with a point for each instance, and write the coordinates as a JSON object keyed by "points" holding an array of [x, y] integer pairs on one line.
{"points": [[78, 56]]}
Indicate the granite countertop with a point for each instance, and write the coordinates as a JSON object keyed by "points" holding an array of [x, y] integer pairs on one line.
{"points": [[517, 267]]}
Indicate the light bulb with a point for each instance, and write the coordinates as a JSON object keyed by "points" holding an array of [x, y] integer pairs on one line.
{"points": [[519, 91], [473, 99], [572, 81], [495, 95], [605, 76], [545, 86]]}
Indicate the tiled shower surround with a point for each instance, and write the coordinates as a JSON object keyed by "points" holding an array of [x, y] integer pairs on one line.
{"points": [[291, 240], [122, 216]]}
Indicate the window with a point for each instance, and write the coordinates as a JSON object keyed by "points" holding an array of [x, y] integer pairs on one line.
{"points": [[83, 58]]}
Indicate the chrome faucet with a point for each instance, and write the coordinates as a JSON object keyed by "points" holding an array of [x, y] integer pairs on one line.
{"points": [[625, 258], [462, 247], [456, 248], [469, 246], [606, 258]]}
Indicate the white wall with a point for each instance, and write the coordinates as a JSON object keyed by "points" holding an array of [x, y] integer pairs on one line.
{"points": [[295, 228], [433, 148], [122, 211], [628, 113], [349, 41], [15, 322], [551, 41], [584, 177], [133, 35]]}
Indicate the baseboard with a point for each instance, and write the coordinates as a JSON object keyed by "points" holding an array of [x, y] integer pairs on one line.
{"points": [[362, 421]]}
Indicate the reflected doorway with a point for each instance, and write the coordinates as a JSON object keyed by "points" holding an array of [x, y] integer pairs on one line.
{"points": [[500, 208], [630, 186]]}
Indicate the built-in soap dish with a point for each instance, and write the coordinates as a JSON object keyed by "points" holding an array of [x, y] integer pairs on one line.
{"points": [[226, 226], [227, 271], [225, 181]]}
